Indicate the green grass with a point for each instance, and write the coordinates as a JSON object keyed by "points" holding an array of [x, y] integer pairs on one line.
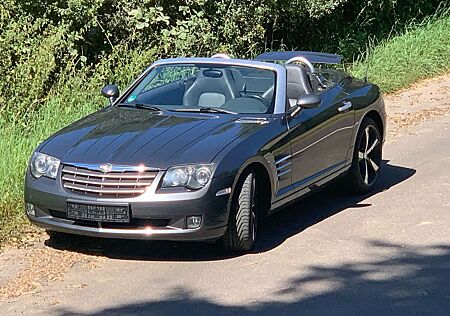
{"points": [[17, 142], [422, 51]]}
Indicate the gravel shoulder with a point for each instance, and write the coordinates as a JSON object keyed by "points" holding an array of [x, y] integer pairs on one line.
{"points": [[422, 101]]}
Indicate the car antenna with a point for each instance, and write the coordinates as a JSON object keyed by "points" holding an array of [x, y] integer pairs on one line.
{"points": [[366, 75]]}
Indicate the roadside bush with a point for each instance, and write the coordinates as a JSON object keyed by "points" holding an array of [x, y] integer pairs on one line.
{"points": [[45, 42]]}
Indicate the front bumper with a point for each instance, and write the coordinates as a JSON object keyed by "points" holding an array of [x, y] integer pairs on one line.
{"points": [[149, 233], [154, 216]]}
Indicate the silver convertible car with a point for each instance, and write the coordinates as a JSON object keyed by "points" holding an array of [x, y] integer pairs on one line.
{"points": [[200, 149]]}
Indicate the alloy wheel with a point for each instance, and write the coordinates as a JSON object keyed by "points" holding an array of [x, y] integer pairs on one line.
{"points": [[369, 155]]}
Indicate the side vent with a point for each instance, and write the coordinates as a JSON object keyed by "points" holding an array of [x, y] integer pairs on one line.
{"points": [[283, 166]]}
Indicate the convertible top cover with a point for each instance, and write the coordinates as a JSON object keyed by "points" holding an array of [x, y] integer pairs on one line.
{"points": [[313, 57]]}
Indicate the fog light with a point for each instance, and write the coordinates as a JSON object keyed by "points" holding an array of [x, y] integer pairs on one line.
{"points": [[194, 221], [30, 209]]}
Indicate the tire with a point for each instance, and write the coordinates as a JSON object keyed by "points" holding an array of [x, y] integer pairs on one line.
{"points": [[243, 222], [367, 157]]}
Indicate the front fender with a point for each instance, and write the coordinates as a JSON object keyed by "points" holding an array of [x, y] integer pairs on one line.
{"points": [[236, 162]]}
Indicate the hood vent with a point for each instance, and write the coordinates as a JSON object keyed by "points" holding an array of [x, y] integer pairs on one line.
{"points": [[252, 120]]}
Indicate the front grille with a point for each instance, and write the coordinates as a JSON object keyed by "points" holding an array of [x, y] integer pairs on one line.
{"points": [[114, 184], [58, 214]]}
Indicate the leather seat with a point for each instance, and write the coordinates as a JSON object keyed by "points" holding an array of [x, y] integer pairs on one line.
{"points": [[210, 91], [298, 83]]}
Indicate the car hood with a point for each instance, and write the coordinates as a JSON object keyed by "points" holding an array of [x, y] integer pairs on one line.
{"points": [[131, 137]]}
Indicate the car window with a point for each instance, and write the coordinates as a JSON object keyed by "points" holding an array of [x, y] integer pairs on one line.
{"points": [[327, 78], [167, 75], [234, 88]]}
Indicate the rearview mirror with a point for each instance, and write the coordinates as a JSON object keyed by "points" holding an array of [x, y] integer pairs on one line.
{"points": [[111, 92], [307, 101]]}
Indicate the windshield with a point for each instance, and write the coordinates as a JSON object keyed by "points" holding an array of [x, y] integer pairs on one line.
{"points": [[223, 88]]}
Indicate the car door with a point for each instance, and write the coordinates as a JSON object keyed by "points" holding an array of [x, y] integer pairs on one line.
{"points": [[320, 137]]}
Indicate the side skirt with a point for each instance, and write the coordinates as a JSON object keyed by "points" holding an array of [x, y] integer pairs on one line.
{"points": [[314, 187]]}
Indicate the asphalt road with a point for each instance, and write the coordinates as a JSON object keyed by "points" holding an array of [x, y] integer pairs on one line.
{"points": [[331, 254]]}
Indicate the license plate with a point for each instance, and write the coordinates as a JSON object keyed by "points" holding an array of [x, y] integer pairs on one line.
{"points": [[98, 213]]}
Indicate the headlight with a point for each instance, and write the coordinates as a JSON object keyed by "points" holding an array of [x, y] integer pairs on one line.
{"points": [[192, 177], [44, 165]]}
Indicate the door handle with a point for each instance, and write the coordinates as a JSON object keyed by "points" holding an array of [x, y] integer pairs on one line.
{"points": [[345, 106]]}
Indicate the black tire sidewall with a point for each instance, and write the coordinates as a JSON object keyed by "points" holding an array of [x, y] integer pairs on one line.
{"points": [[238, 236]]}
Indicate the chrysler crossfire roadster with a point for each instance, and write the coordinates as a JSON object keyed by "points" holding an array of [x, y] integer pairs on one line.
{"points": [[201, 149]]}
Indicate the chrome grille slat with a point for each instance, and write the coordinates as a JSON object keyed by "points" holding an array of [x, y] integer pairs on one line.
{"points": [[115, 184], [103, 190], [111, 175], [101, 181]]}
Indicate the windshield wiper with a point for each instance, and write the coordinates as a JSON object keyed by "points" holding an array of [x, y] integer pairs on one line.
{"points": [[140, 106], [215, 110], [205, 110], [147, 107]]}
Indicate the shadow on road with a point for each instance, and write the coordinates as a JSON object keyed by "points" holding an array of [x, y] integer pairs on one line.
{"points": [[280, 226], [405, 280]]}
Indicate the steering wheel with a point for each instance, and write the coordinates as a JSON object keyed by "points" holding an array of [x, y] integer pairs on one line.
{"points": [[259, 98], [304, 61]]}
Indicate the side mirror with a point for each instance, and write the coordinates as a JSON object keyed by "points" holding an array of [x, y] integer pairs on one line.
{"points": [[111, 92], [307, 101]]}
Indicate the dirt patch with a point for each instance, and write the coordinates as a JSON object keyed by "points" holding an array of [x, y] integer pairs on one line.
{"points": [[39, 266], [422, 101], [24, 237], [404, 121]]}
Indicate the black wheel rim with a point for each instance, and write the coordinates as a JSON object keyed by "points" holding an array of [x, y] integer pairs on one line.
{"points": [[369, 155], [253, 217]]}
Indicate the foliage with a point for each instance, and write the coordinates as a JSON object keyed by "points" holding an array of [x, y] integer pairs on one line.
{"points": [[421, 52]]}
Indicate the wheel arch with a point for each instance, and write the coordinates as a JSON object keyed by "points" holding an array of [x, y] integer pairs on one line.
{"points": [[264, 183], [374, 115]]}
